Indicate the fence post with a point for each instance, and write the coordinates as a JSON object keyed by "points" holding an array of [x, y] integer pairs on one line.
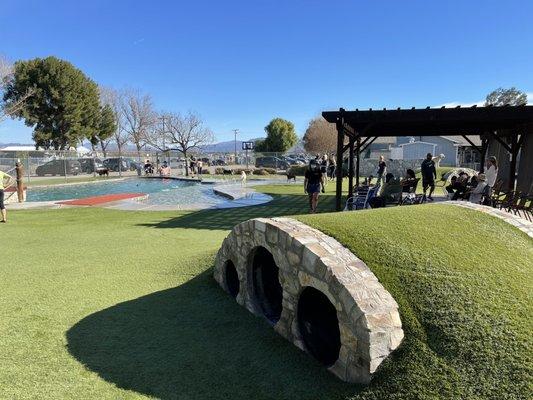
{"points": [[20, 183], [28, 160], [65, 167]]}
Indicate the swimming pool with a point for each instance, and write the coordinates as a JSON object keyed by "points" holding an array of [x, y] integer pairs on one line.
{"points": [[165, 192]]}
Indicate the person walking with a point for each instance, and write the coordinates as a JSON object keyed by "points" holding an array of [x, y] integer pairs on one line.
{"points": [[382, 170], [192, 165], [5, 181], [324, 168], [429, 174], [313, 184], [199, 166], [332, 167]]}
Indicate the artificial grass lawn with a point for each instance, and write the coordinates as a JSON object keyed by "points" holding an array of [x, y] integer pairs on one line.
{"points": [[117, 305], [463, 282]]}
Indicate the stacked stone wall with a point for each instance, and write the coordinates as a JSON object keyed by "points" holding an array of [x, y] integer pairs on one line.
{"points": [[369, 322]]}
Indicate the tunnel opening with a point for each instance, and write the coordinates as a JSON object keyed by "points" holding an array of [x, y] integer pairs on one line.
{"points": [[266, 286], [319, 326], [232, 279]]}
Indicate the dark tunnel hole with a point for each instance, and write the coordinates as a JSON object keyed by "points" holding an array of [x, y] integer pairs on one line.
{"points": [[319, 326], [266, 286], [232, 279]]}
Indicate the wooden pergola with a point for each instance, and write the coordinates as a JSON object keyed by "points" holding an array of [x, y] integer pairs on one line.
{"points": [[356, 130]]}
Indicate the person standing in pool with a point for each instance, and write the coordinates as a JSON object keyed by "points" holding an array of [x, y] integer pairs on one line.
{"points": [[313, 184], [5, 182]]}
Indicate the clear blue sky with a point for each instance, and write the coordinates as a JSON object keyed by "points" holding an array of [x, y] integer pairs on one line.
{"points": [[241, 63]]}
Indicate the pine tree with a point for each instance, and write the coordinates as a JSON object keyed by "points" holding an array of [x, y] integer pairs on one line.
{"points": [[64, 108]]}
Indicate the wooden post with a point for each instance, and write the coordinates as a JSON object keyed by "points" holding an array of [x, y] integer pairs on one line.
{"points": [[484, 144], [340, 143], [20, 181], [350, 170], [357, 165], [514, 154], [524, 180]]}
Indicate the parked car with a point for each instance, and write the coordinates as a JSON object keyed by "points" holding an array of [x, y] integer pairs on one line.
{"points": [[133, 163], [271, 162], [90, 165], [116, 164], [219, 161], [292, 160], [59, 167]]}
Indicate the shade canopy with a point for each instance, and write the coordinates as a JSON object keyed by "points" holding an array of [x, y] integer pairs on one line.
{"points": [[356, 130]]}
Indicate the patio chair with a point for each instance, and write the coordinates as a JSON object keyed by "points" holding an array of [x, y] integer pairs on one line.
{"points": [[509, 200], [410, 189], [523, 206], [363, 194]]}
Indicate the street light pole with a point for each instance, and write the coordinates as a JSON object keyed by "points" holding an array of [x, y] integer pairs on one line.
{"points": [[235, 142]]}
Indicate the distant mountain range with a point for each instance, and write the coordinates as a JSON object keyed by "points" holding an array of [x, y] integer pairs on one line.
{"points": [[221, 147], [226, 147]]}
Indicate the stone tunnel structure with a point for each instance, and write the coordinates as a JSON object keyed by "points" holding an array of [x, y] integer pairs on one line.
{"points": [[315, 293]]}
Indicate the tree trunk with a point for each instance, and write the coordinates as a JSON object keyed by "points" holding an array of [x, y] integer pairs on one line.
{"points": [[186, 162], [104, 147]]}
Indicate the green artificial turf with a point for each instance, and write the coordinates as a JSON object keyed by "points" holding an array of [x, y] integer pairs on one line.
{"points": [[105, 304], [463, 282]]}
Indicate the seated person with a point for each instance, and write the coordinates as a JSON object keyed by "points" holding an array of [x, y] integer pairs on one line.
{"points": [[452, 187], [367, 181], [473, 182], [148, 168], [164, 169], [388, 193], [409, 179], [458, 186], [475, 194]]}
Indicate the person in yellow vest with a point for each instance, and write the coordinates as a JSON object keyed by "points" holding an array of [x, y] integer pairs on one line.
{"points": [[5, 181]]}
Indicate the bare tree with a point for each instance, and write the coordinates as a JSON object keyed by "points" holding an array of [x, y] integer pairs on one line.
{"points": [[138, 117], [187, 132], [120, 137], [6, 79], [157, 135], [320, 136]]}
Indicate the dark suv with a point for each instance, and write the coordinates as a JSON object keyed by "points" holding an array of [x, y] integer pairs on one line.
{"points": [[271, 162], [59, 167], [113, 164], [90, 165]]}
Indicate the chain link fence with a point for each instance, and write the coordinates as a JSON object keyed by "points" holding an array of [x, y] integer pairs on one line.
{"points": [[63, 166]]}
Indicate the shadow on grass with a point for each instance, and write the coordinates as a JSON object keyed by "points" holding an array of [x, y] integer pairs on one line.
{"points": [[195, 342], [224, 219]]}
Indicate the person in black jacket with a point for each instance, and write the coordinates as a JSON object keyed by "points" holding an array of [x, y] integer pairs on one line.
{"points": [[429, 174]]}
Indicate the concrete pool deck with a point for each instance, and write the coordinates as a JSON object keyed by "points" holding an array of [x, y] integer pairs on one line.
{"points": [[237, 196]]}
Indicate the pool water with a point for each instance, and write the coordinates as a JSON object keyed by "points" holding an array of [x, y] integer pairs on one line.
{"points": [[161, 191]]}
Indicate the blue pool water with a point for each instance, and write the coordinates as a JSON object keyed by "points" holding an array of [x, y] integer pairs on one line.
{"points": [[161, 191]]}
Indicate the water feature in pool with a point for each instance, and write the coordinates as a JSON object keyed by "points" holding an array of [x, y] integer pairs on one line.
{"points": [[161, 191]]}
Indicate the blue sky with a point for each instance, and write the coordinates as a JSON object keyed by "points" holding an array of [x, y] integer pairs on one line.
{"points": [[242, 63]]}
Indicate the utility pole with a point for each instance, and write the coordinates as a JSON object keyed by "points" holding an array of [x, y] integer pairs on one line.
{"points": [[235, 142], [162, 118]]}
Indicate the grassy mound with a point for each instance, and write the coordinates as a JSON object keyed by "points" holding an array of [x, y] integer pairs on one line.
{"points": [[463, 281]]}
